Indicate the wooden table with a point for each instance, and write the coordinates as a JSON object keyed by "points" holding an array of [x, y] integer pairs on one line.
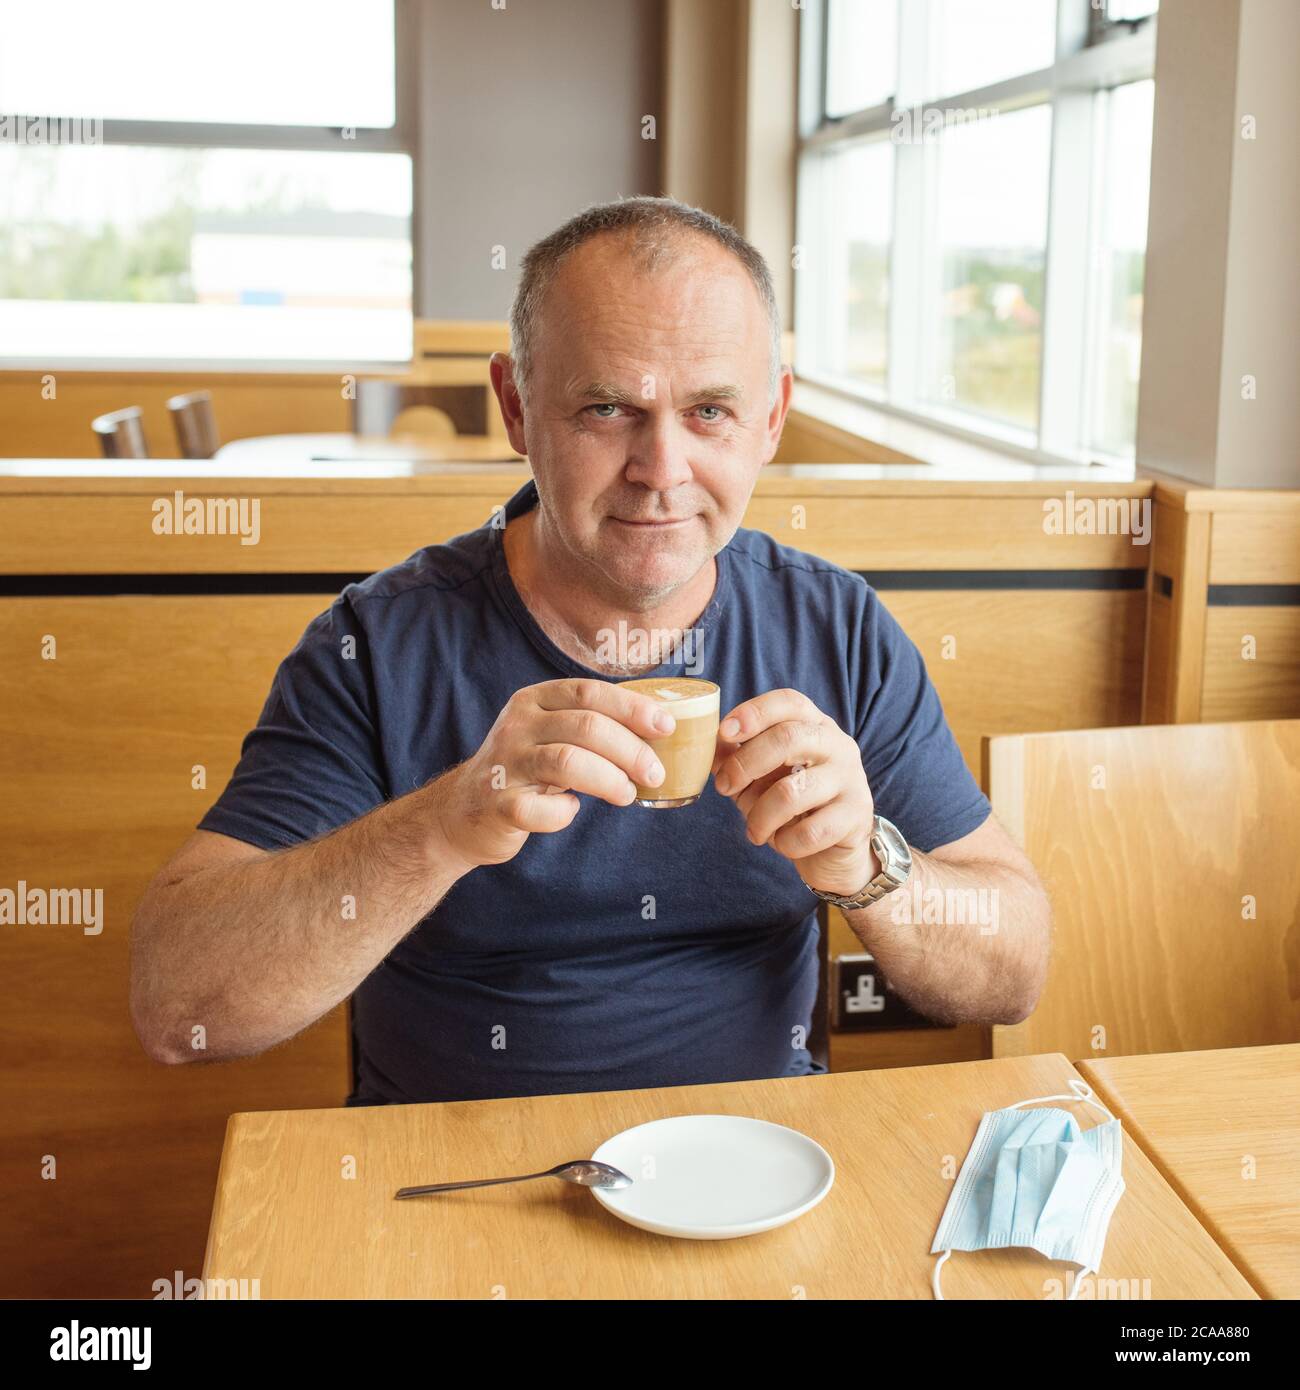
{"points": [[1224, 1129], [287, 1213], [353, 448]]}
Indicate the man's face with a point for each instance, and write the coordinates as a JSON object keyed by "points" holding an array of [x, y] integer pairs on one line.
{"points": [[648, 417]]}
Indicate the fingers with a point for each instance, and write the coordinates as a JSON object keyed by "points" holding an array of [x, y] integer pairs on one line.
{"points": [[539, 812], [725, 748], [640, 713], [746, 800], [572, 768], [753, 716], [598, 733], [794, 741], [550, 741], [773, 807], [818, 831], [590, 736]]}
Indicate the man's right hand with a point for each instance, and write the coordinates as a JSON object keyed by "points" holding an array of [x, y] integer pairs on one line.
{"points": [[549, 742]]}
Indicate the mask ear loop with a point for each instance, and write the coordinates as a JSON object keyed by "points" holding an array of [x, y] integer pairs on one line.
{"points": [[1081, 1092], [934, 1276]]}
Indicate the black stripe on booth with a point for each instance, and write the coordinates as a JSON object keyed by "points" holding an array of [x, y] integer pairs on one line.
{"points": [[105, 585], [332, 582], [1253, 595], [1005, 579]]}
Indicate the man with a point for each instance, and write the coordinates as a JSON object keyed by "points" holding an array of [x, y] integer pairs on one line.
{"points": [[434, 814]]}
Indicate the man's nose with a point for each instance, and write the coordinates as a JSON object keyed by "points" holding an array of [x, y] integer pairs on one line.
{"points": [[658, 459]]}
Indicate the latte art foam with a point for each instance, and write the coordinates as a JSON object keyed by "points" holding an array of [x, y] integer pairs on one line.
{"points": [[687, 698]]}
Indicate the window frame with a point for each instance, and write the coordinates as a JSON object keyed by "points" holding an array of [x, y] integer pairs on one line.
{"points": [[1089, 61], [402, 137], [1103, 29]]}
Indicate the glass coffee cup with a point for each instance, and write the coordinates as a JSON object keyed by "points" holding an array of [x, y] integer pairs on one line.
{"points": [[687, 753]]}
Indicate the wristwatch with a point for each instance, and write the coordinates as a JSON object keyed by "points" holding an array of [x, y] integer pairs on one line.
{"points": [[895, 866]]}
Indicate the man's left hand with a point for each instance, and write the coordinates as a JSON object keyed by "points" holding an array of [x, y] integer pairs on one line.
{"points": [[798, 780]]}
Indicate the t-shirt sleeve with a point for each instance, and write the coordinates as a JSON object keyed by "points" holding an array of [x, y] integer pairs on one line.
{"points": [[313, 761], [915, 770]]}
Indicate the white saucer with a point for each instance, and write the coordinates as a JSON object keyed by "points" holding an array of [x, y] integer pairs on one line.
{"points": [[713, 1177]]}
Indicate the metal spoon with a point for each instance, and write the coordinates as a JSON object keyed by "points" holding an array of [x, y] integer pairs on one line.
{"points": [[586, 1172]]}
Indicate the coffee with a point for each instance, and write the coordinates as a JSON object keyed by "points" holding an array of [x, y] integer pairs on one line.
{"points": [[687, 753]]}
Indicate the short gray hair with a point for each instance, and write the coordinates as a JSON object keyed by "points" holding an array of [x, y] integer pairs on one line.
{"points": [[657, 225]]}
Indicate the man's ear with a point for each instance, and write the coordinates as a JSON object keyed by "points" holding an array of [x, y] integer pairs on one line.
{"points": [[501, 369], [781, 408]]}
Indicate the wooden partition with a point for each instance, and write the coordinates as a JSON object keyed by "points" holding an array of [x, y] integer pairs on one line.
{"points": [[163, 649], [107, 1161], [1224, 621], [1169, 855]]}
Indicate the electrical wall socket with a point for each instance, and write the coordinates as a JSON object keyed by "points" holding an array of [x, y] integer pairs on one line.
{"points": [[865, 1002]]}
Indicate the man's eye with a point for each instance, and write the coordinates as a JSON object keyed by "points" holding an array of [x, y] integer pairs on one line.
{"points": [[714, 418], [604, 405]]}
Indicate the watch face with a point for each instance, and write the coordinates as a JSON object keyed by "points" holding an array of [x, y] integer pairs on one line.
{"points": [[897, 854]]}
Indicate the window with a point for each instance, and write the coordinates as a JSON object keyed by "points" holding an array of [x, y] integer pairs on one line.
{"points": [[973, 181], [177, 191], [992, 237], [1121, 261], [988, 41], [861, 54], [853, 194]]}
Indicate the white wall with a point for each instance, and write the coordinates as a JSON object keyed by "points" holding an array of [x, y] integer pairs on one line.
{"points": [[527, 114], [1222, 298], [1259, 440]]}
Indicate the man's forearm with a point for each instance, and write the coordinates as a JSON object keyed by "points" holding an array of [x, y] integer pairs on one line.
{"points": [[961, 943], [229, 960]]}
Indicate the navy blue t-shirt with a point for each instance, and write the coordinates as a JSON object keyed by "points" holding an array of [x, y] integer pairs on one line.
{"points": [[636, 947]]}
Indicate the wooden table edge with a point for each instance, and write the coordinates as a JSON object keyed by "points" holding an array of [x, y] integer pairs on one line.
{"points": [[234, 1122]]}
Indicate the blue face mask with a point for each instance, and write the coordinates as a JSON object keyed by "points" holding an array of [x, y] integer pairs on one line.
{"points": [[1033, 1179]]}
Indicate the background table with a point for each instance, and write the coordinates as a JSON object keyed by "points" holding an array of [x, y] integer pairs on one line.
{"points": [[1206, 1118], [350, 448], [287, 1214]]}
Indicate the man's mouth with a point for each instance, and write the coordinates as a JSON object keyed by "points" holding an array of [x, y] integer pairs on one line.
{"points": [[655, 525]]}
